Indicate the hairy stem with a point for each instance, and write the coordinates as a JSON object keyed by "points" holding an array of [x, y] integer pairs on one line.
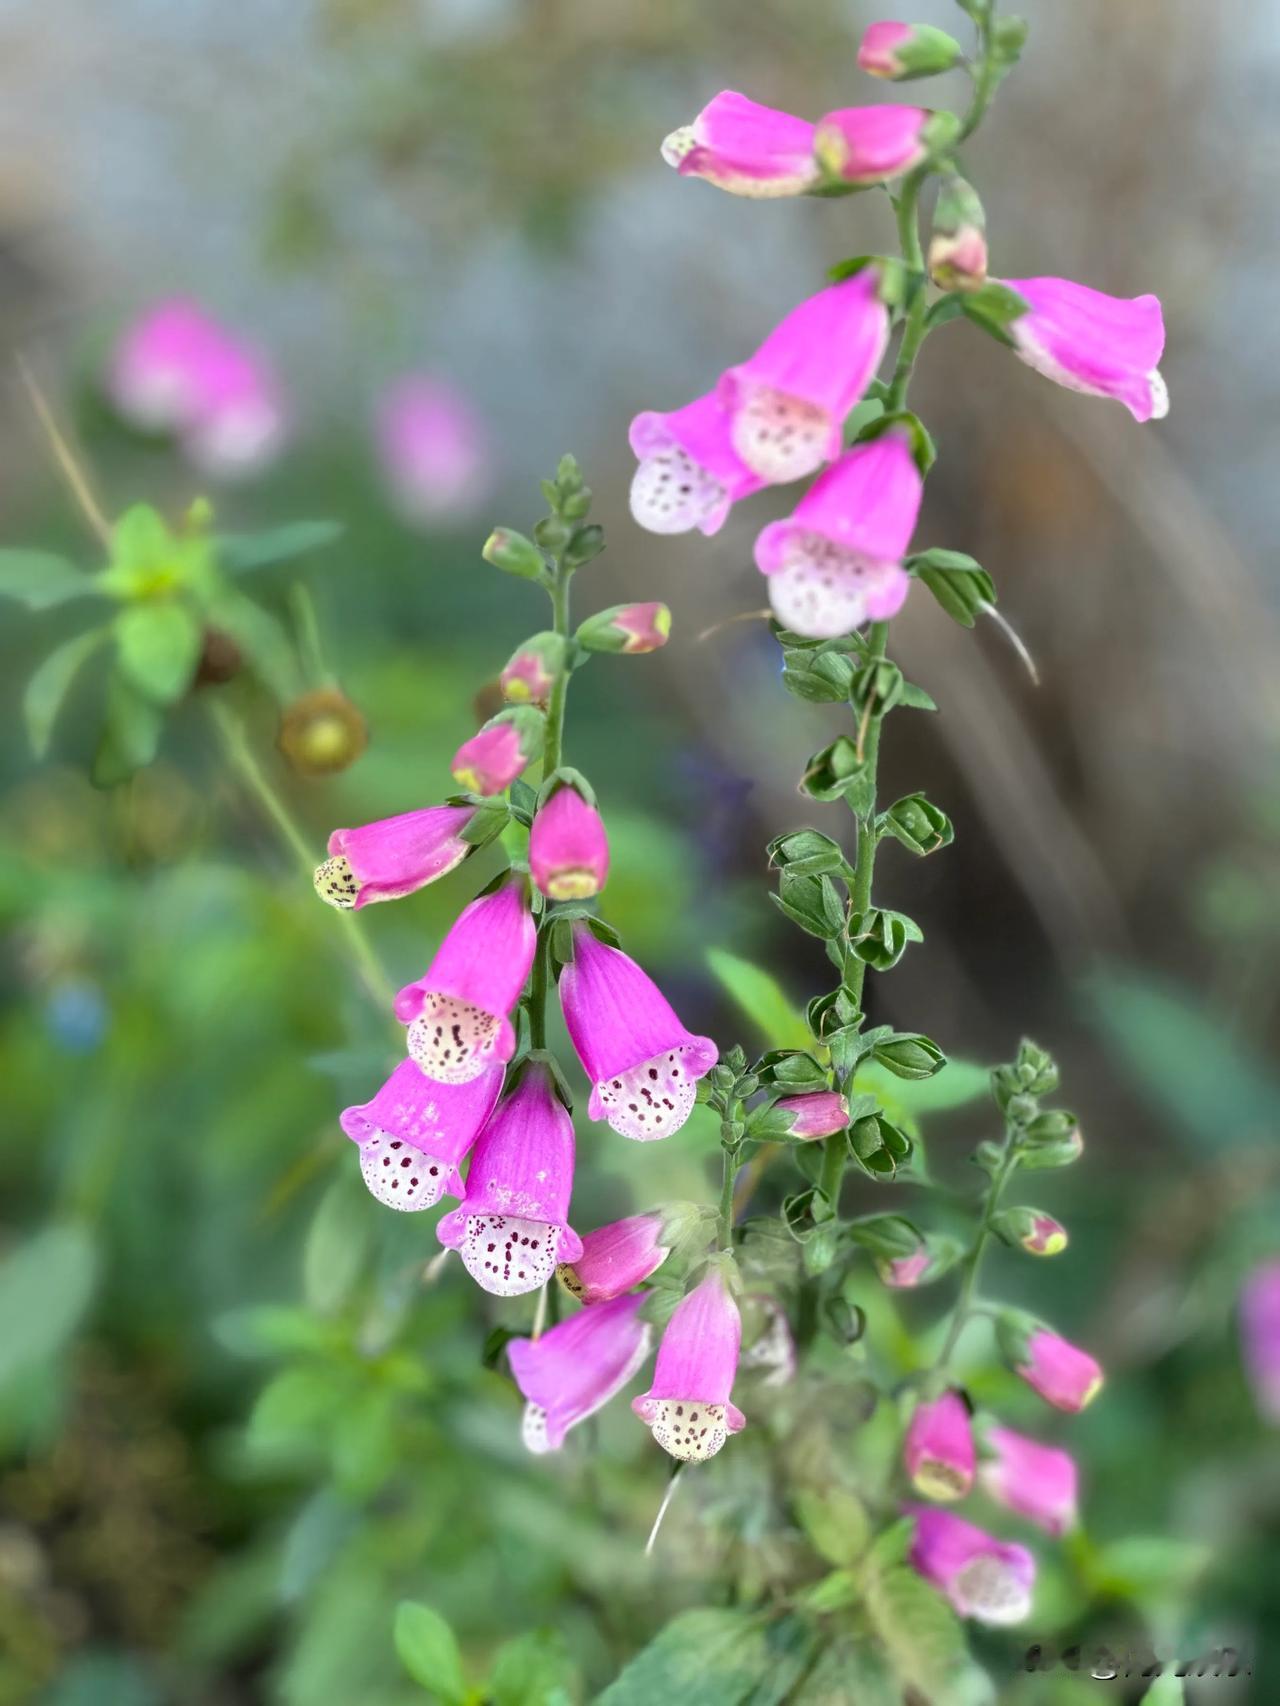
{"points": [[971, 1265], [540, 981]]}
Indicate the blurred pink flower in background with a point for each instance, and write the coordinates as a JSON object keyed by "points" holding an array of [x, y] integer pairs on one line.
{"points": [[178, 370], [433, 449]]}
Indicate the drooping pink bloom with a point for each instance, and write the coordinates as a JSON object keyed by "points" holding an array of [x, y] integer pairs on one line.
{"points": [[788, 402], [513, 1226], [984, 1578], [155, 378], [392, 857], [688, 1407], [433, 449], [689, 473], [900, 51], [1037, 1481], [416, 1131], [568, 847], [632, 629], [817, 1114], [576, 1367], [903, 1273], [744, 148], [1105, 346], [836, 561], [457, 1012], [643, 1064], [869, 145], [499, 752], [1260, 1335], [615, 1258], [530, 672], [938, 1450], [239, 424], [1063, 1374]]}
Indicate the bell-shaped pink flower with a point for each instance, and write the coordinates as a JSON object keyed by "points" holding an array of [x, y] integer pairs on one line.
{"points": [[530, 672], [689, 473], [568, 848], [631, 629], [1106, 346], [239, 426], [1037, 1481], [869, 145], [1260, 1336], [155, 374], [819, 1113], [836, 561], [938, 1450], [433, 449], [1063, 1374], [457, 1012], [744, 148], [688, 1408], [576, 1367], [499, 752], [984, 1578], [615, 1258], [416, 1131], [788, 401], [513, 1226], [392, 857], [643, 1064]]}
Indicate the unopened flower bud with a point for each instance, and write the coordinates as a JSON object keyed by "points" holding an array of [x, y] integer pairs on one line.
{"points": [[514, 554], [1039, 1234], [499, 752], [1063, 1374], [870, 145], [531, 670], [568, 847], [615, 1258], [322, 732], [902, 51], [958, 250], [938, 1451], [631, 628], [818, 1114]]}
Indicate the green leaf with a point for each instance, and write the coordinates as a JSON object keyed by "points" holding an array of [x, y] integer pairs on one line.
{"points": [[48, 687], [131, 735], [716, 1658], [762, 1000], [429, 1652], [238, 553], [45, 1287], [39, 579], [836, 1523], [533, 1670], [159, 647], [848, 1675], [923, 1638], [333, 1255]]}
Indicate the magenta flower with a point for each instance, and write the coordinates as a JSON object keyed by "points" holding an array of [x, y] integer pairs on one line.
{"points": [[1105, 346], [687, 1408], [415, 1132], [632, 629], [789, 400], [836, 561], [1037, 1481], [1042, 1235], [239, 424], [531, 670], [869, 145], [513, 1228], [1260, 1336], [817, 1114], [568, 848], [689, 473], [900, 51], [643, 1064], [615, 1258], [499, 752], [155, 374], [393, 857], [457, 1012], [433, 449], [575, 1368], [984, 1578], [904, 1273], [938, 1449], [744, 148], [1063, 1375]]}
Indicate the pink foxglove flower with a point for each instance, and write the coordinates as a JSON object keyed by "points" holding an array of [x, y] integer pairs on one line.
{"points": [[433, 450], [1037, 1481], [393, 857], [1105, 346], [644, 1066], [987, 1579], [1063, 1374], [631, 629], [616, 1258], [869, 145], [899, 51], [1260, 1335], [789, 400], [239, 426], [1042, 1235], [155, 375], [904, 1273], [513, 1227], [415, 1132], [689, 472], [744, 148], [499, 752], [938, 1451], [575, 1368], [457, 1012], [568, 848], [817, 1114], [530, 672], [688, 1408], [836, 561]]}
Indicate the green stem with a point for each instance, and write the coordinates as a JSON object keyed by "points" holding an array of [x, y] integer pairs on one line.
{"points": [[972, 1263], [916, 327], [553, 746], [243, 761], [984, 84], [730, 1144]]}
